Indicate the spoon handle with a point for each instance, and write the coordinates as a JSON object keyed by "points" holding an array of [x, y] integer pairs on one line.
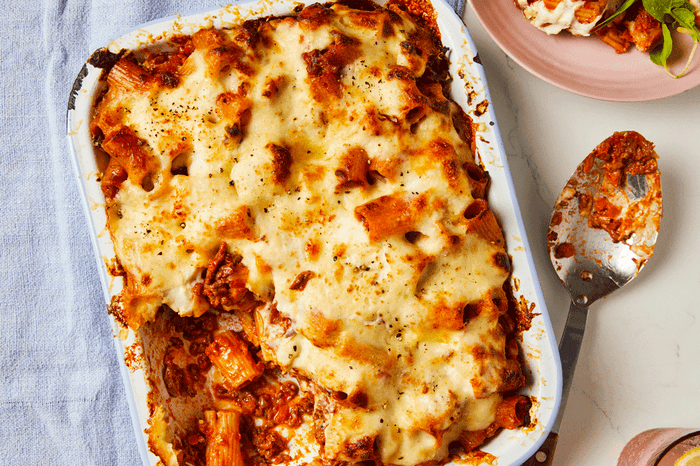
{"points": [[569, 347]]}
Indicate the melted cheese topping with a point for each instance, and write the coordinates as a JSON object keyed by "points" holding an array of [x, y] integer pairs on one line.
{"points": [[256, 142], [563, 17]]}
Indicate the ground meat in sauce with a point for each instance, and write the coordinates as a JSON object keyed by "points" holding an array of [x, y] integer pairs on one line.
{"points": [[623, 154], [271, 403], [225, 280]]}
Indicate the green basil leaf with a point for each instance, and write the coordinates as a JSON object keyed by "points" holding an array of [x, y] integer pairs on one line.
{"points": [[684, 17], [660, 55], [679, 4], [621, 9], [658, 8]]}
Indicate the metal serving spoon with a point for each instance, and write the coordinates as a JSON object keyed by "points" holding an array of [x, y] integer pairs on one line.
{"points": [[602, 232]]}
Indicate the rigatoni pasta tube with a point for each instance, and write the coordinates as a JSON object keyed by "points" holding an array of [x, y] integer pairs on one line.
{"points": [[221, 429], [231, 356]]}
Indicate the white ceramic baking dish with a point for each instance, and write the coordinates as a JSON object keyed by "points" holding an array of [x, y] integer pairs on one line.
{"points": [[469, 89]]}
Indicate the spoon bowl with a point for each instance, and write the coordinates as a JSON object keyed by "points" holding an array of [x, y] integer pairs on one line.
{"points": [[593, 251]]}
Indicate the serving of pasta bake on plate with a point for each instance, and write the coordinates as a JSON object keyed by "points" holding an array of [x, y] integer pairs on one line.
{"points": [[305, 264], [575, 16]]}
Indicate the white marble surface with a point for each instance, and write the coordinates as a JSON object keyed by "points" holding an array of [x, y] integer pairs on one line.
{"points": [[639, 366]]}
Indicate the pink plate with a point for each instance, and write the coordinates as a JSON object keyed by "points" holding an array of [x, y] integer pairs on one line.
{"points": [[584, 65]]}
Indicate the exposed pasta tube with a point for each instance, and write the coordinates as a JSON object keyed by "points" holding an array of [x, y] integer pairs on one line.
{"points": [[231, 356], [221, 429]]}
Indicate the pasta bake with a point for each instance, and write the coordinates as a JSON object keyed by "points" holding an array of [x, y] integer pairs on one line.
{"points": [[578, 17], [304, 236]]}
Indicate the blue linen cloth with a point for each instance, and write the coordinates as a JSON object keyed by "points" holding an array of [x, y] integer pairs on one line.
{"points": [[62, 399]]}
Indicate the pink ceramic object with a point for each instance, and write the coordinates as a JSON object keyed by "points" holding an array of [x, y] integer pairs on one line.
{"points": [[584, 65], [658, 447]]}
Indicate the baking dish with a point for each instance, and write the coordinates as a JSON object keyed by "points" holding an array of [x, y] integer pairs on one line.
{"points": [[468, 89]]}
